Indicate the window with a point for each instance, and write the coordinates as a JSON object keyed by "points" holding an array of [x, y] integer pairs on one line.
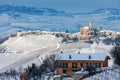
{"points": [[64, 71], [81, 64], [65, 65], [74, 65], [91, 64], [96, 64], [74, 70], [99, 64], [86, 64]]}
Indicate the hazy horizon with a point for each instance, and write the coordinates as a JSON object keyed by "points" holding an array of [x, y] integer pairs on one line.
{"points": [[67, 5]]}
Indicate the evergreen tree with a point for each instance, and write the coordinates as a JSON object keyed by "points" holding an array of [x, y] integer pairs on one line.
{"points": [[75, 39], [67, 31], [115, 53]]}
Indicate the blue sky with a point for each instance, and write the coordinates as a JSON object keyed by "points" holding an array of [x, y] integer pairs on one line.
{"points": [[67, 5]]}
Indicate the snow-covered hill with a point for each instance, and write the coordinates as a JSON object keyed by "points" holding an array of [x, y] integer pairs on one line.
{"points": [[22, 51], [17, 18]]}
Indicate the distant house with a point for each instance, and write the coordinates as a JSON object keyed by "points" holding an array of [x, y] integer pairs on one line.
{"points": [[72, 62]]}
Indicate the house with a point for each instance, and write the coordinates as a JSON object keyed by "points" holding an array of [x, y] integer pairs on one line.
{"points": [[84, 32], [72, 62]]}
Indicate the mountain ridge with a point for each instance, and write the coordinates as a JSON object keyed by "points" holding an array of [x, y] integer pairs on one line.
{"points": [[40, 11], [31, 18], [31, 10]]}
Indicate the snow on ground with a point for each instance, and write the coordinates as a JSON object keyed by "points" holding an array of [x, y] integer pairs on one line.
{"points": [[111, 73], [74, 47], [25, 50], [9, 78], [28, 43]]}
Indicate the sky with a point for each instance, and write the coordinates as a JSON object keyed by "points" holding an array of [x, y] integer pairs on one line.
{"points": [[66, 5]]}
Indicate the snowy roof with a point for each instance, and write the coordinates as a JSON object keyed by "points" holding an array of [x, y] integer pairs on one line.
{"points": [[81, 72], [107, 31], [82, 56], [86, 27], [56, 76]]}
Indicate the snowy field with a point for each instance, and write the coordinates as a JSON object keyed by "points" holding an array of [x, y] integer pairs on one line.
{"points": [[25, 50], [111, 73]]}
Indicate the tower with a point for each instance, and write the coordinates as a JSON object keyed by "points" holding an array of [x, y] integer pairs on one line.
{"points": [[90, 25]]}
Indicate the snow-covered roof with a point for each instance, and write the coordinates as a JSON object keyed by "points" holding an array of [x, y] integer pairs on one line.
{"points": [[56, 76], [81, 72], [107, 31], [86, 27], [82, 56]]}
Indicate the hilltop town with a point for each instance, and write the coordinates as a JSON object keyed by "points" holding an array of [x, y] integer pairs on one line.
{"points": [[86, 33]]}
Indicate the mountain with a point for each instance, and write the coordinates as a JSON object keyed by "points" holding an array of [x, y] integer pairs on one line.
{"points": [[110, 11], [20, 18], [30, 10]]}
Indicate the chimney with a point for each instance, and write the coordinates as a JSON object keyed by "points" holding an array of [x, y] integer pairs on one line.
{"points": [[61, 52], [70, 57], [89, 57]]}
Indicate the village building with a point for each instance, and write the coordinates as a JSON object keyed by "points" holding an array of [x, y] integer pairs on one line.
{"points": [[87, 31], [109, 34], [72, 62]]}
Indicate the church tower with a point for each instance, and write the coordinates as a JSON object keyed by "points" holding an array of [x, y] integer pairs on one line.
{"points": [[90, 25]]}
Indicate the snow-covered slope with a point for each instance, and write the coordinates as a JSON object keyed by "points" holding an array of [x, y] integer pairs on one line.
{"points": [[28, 49], [28, 43], [23, 51]]}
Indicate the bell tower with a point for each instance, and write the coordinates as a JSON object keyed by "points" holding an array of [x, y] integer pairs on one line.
{"points": [[90, 25]]}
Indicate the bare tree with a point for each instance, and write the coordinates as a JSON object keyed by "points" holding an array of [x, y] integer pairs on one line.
{"points": [[50, 63], [34, 71]]}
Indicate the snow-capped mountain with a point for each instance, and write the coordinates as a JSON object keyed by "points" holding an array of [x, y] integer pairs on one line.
{"points": [[17, 18]]}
